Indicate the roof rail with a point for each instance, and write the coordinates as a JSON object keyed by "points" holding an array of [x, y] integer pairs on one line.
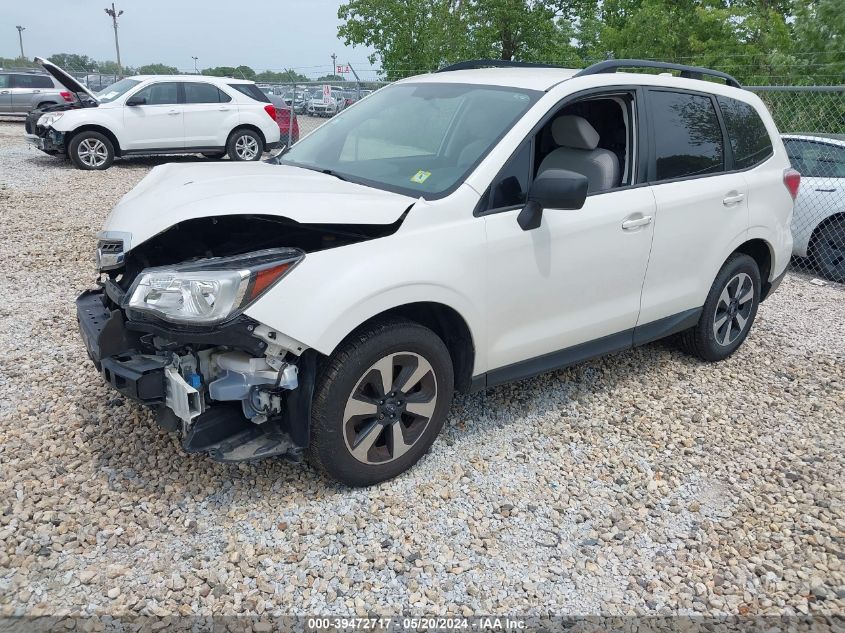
{"points": [[688, 72], [475, 64]]}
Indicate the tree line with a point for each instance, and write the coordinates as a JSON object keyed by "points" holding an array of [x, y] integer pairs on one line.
{"points": [[759, 41], [74, 62]]}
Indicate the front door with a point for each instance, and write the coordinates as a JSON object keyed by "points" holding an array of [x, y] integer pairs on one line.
{"points": [[575, 279], [157, 121]]}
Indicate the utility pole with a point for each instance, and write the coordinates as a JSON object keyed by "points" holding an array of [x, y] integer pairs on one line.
{"points": [[195, 58], [334, 64], [114, 13], [21, 29]]}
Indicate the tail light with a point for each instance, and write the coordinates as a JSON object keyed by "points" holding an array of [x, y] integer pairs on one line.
{"points": [[792, 180], [282, 117], [270, 109], [66, 96]]}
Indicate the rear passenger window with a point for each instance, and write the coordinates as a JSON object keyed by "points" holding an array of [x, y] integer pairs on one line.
{"points": [[32, 81], [747, 133], [196, 92], [687, 136]]}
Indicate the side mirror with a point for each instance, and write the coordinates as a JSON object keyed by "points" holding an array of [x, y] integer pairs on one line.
{"points": [[136, 101], [553, 189]]}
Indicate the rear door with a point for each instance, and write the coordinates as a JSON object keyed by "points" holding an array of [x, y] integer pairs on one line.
{"points": [[701, 209], [206, 109], [5, 94], [22, 90], [157, 123]]}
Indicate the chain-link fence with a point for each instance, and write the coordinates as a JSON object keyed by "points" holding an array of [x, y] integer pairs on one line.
{"points": [[812, 122]]}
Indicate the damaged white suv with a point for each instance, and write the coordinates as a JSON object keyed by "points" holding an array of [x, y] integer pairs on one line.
{"points": [[453, 231]]}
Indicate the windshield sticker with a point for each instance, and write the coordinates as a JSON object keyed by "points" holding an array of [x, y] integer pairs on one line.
{"points": [[420, 177]]}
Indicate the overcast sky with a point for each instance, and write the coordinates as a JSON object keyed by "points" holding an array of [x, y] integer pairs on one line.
{"points": [[266, 34]]}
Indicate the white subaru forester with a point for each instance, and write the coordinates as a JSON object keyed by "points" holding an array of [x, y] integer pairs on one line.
{"points": [[453, 231]]}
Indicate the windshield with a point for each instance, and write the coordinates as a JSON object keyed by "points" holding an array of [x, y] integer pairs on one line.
{"points": [[418, 139], [116, 90]]}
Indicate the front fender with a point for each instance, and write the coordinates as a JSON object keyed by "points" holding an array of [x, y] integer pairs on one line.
{"points": [[333, 292]]}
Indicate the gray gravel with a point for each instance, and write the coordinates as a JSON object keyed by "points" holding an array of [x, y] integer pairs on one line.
{"points": [[646, 482]]}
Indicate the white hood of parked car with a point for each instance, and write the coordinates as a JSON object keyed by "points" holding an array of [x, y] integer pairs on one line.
{"points": [[173, 193]]}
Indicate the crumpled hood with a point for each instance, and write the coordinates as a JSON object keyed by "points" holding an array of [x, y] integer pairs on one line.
{"points": [[173, 193]]}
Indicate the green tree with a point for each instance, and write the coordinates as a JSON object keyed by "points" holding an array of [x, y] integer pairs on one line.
{"points": [[820, 29], [331, 78], [157, 69], [430, 33], [17, 62], [240, 72], [72, 61]]}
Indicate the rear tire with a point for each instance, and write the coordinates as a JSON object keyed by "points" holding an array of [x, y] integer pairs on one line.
{"points": [[728, 312], [380, 402], [827, 250], [91, 151], [245, 145]]}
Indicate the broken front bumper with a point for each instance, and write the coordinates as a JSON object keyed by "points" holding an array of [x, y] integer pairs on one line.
{"points": [[52, 141], [117, 347]]}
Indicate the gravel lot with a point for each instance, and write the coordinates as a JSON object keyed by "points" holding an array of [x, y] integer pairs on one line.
{"points": [[646, 482]]}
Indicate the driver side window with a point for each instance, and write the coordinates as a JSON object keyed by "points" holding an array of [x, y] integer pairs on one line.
{"points": [[165, 93], [593, 137]]}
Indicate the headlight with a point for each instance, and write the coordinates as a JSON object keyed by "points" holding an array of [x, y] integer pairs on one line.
{"points": [[47, 119], [209, 290]]}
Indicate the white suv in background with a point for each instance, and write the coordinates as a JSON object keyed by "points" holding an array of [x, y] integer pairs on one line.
{"points": [[818, 226], [159, 114], [332, 299]]}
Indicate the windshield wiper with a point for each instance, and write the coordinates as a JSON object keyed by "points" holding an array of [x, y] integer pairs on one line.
{"points": [[329, 172]]}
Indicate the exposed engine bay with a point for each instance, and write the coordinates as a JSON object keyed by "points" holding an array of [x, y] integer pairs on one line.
{"points": [[236, 388]]}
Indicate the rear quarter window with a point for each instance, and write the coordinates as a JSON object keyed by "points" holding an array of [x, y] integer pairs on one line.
{"points": [[251, 90], [747, 133]]}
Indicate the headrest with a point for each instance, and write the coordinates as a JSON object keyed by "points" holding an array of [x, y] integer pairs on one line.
{"points": [[574, 131]]}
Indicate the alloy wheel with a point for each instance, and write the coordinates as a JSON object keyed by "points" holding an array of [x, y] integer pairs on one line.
{"points": [[92, 152], [830, 253], [246, 147], [733, 309], [390, 408]]}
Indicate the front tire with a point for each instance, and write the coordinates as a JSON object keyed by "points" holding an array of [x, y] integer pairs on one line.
{"points": [[728, 312], [245, 145], [91, 151], [827, 250], [380, 402]]}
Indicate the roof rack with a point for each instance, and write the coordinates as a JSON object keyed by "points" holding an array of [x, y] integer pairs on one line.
{"points": [[475, 64], [688, 72]]}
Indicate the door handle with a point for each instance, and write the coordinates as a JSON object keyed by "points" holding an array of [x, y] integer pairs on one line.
{"points": [[733, 199], [629, 225], [223, 109], [4, 92], [173, 112], [36, 91]]}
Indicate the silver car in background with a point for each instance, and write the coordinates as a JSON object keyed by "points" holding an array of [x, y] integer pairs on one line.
{"points": [[21, 92]]}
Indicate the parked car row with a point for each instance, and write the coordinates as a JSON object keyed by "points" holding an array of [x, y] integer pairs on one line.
{"points": [[158, 114]]}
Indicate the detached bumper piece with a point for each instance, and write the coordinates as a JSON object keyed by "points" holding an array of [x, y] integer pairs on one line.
{"points": [[228, 437], [138, 377]]}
